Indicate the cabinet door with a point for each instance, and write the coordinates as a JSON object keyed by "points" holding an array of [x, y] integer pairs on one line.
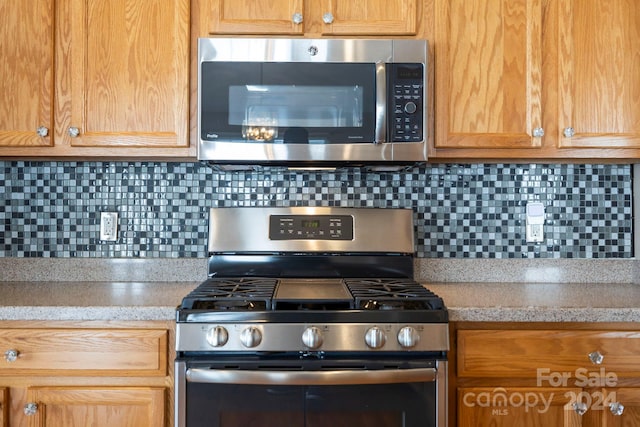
{"points": [[599, 84], [488, 73], [601, 413], [122, 73], [26, 67], [367, 17], [256, 17], [516, 406], [98, 407]]}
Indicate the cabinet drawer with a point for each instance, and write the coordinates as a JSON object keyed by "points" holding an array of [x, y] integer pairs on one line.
{"points": [[84, 352], [519, 354]]}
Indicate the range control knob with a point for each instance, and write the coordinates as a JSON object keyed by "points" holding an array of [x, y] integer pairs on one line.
{"points": [[312, 337], [217, 337], [251, 337], [408, 337], [375, 338]]}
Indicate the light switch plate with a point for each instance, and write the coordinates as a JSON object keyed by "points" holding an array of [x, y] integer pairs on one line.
{"points": [[109, 226]]}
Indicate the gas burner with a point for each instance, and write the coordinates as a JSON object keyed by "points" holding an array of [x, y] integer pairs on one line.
{"points": [[392, 294], [242, 293]]}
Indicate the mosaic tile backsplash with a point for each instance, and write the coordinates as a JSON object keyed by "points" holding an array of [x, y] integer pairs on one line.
{"points": [[52, 209]]}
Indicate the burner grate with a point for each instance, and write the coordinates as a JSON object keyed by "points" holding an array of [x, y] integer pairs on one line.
{"points": [[392, 294], [243, 293]]}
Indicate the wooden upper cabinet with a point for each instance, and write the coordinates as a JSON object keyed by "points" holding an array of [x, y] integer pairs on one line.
{"points": [[26, 73], [257, 17], [488, 73], [325, 17], [106, 78], [123, 73], [599, 74]]}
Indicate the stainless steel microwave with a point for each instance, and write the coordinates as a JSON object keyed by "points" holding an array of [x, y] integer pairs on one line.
{"points": [[312, 102]]}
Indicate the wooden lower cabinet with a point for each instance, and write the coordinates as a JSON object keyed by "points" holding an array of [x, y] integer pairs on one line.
{"points": [[77, 374], [549, 374], [97, 407], [516, 406]]}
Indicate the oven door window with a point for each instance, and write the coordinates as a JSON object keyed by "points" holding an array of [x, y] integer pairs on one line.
{"points": [[388, 405], [287, 103]]}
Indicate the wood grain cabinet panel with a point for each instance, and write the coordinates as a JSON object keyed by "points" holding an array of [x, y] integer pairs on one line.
{"points": [[97, 407], [488, 73], [26, 67], [324, 17], [4, 407], [78, 352], [519, 354], [103, 79], [599, 81]]}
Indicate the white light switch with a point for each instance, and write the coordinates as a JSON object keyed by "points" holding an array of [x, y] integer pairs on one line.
{"points": [[535, 222]]}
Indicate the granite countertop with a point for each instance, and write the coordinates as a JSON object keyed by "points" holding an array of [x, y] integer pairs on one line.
{"points": [[504, 302]]}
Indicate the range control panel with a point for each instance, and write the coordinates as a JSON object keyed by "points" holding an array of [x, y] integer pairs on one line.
{"points": [[311, 227]]}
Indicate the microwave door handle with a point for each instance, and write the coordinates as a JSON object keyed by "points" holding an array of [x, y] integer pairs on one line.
{"points": [[340, 377], [381, 102]]}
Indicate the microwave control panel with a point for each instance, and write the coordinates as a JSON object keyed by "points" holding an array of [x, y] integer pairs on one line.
{"points": [[406, 106]]}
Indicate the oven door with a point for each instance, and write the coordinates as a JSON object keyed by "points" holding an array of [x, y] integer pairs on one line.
{"points": [[280, 394]]}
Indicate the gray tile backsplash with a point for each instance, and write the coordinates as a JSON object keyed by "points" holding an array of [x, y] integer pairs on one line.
{"points": [[52, 209]]}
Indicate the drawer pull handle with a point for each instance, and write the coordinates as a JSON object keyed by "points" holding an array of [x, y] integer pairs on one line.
{"points": [[580, 408], [11, 355], [30, 408], [616, 408], [596, 358]]}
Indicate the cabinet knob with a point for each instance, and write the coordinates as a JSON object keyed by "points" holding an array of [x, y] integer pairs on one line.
{"points": [[11, 355], [30, 408], [42, 131], [297, 18], [327, 18], [73, 132], [538, 132], [569, 132], [616, 408], [579, 407], [596, 357]]}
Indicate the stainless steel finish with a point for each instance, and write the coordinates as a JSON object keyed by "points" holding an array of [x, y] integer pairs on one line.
{"points": [[74, 132], [11, 355], [538, 132], [251, 337], [227, 235], [312, 337], [327, 18], [287, 336], [327, 50], [596, 357], [42, 131], [375, 338], [381, 103], [180, 394], [616, 408], [580, 408], [217, 336], [297, 18], [340, 377], [408, 337], [442, 401], [569, 132], [30, 408]]}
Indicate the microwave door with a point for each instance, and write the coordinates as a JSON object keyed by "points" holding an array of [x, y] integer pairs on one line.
{"points": [[381, 103]]}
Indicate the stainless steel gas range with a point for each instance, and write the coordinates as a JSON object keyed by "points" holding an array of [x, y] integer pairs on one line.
{"points": [[311, 317]]}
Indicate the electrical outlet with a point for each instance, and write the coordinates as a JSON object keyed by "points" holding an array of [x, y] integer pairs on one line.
{"points": [[109, 226], [535, 222]]}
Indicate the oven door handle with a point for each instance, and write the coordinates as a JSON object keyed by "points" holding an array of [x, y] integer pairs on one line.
{"points": [[340, 377]]}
